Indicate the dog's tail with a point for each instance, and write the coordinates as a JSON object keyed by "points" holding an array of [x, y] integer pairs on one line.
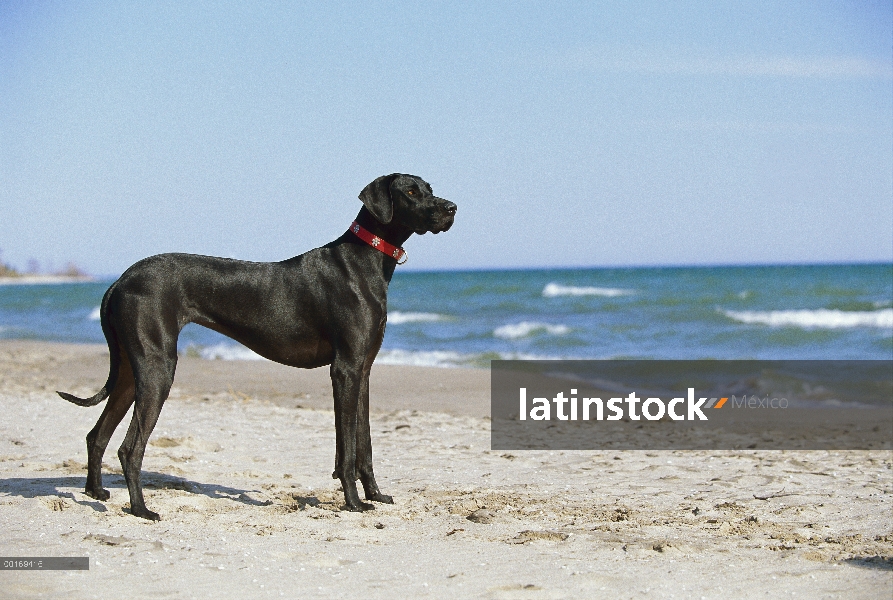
{"points": [[114, 359], [91, 401]]}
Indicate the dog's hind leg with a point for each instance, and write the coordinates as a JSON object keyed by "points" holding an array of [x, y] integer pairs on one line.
{"points": [[98, 439], [153, 377]]}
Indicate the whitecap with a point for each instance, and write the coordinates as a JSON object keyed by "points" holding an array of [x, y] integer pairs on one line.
{"points": [[95, 314], [819, 318], [447, 359], [422, 358], [525, 328], [554, 289], [398, 318], [228, 352]]}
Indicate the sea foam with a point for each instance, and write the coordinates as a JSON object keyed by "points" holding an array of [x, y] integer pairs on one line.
{"points": [[429, 358], [446, 359], [554, 289], [525, 328], [398, 318], [228, 352], [95, 314], [819, 318]]}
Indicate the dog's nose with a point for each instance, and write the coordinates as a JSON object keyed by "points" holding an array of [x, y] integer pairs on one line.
{"points": [[450, 207]]}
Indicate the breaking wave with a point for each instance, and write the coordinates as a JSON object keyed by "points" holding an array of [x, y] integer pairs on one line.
{"points": [[430, 358], [227, 352], [398, 318], [445, 359], [554, 289], [526, 328], [819, 318]]}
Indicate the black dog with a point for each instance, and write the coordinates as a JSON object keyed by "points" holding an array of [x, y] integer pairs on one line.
{"points": [[325, 307]]}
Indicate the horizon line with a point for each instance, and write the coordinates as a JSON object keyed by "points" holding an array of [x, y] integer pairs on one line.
{"points": [[106, 277]]}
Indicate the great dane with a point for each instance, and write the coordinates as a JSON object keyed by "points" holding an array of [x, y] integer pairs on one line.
{"points": [[327, 306]]}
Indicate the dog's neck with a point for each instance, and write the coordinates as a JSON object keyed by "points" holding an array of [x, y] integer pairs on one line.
{"points": [[393, 233]]}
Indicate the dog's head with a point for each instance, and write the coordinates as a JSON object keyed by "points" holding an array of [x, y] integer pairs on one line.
{"points": [[409, 201]]}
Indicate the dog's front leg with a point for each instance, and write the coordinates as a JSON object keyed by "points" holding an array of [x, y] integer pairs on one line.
{"points": [[346, 385], [364, 447]]}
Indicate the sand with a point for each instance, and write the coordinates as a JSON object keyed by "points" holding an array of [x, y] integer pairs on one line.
{"points": [[239, 467]]}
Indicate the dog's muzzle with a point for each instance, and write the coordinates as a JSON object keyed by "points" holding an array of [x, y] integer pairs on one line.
{"points": [[446, 216]]}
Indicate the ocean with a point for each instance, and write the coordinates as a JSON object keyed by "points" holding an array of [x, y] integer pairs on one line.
{"points": [[467, 318]]}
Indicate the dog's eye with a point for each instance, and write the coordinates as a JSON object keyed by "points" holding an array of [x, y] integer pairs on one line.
{"points": [[411, 193]]}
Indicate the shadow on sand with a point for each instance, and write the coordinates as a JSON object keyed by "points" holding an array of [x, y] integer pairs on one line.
{"points": [[884, 563], [60, 487]]}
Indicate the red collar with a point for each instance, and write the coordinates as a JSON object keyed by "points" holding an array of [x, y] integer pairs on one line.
{"points": [[378, 243]]}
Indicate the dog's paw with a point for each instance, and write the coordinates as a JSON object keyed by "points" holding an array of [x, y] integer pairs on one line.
{"points": [[145, 513], [359, 507], [379, 497], [98, 493]]}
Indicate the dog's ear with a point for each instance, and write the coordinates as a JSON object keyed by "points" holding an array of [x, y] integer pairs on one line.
{"points": [[377, 198]]}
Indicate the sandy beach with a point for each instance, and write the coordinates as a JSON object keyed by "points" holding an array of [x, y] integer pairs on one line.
{"points": [[239, 467]]}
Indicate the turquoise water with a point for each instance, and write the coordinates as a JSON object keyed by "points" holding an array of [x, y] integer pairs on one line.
{"points": [[467, 318]]}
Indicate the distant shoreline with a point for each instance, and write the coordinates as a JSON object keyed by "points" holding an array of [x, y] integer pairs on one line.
{"points": [[45, 279]]}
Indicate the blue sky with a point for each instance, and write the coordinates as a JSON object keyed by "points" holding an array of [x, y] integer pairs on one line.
{"points": [[569, 134]]}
